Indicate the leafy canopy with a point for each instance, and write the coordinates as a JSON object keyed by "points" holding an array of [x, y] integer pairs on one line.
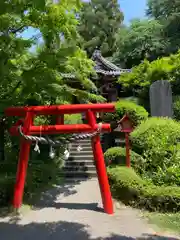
{"points": [[143, 75], [142, 39], [37, 75], [168, 13], [99, 21]]}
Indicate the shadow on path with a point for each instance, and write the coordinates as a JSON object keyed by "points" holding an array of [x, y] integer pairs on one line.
{"points": [[49, 197], [77, 206], [59, 230]]}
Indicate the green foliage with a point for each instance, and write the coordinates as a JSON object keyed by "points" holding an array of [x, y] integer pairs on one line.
{"points": [[6, 189], [42, 171], [168, 13], [157, 140], [136, 112], [142, 39], [117, 156], [168, 176], [36, 75], [132, 190], [176, 107], [99, 21], [41, 174], [165, 221], [143, 75], [73, 118]]}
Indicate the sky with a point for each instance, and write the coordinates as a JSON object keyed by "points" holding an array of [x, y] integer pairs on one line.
{"points": [[132, 9]]}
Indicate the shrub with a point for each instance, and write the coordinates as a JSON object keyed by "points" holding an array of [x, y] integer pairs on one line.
{"points": [[143, 75], [6, 189], [42, 172], [136, 112], [132, 190], [169, 176], [156, 139], [117, 155], [176, 107], [73, 118]]}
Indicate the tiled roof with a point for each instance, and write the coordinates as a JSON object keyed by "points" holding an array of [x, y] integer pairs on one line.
{"points": [[67, 75], [113, 73], [102, 66], [98, 58], [106, 67]]}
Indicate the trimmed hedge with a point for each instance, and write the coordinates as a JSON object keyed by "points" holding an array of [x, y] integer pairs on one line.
{"points": [[117, 155], [168, 176], [132, 190], [136, 112], [157, 140]]}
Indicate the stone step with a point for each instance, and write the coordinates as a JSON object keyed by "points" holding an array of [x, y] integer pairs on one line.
{"points": [[90, 152], [84, 148], [79, 179], [76, 144], [78, 174], [80, 154], [82, 168], [120, 140], [83, 157], [84, 141], [79, 162]]}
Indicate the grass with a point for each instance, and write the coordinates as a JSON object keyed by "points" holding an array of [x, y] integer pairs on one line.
{"points": [[165, 221]]}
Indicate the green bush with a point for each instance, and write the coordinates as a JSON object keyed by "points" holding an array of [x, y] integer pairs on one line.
{"points": [[157, 140], [6, 189], [176, 107], [143, 75], [136, 112], [73, 118], [117, 155], [132, 190], [40, 175], [42, 172], [169, 176]]}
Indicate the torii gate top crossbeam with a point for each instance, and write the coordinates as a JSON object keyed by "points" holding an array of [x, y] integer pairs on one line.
{"points": [[59, 109]]}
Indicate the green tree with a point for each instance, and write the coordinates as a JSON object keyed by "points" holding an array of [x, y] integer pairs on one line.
{"points": [[29, 78], [99, 22], [168, 13], [142, 39], [143, 75], [24, 74]]}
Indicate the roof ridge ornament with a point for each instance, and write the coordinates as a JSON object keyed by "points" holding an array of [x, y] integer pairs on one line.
{"points": [[98, 56], [96, 53]]}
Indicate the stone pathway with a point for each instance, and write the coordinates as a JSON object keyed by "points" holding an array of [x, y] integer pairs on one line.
{"points": [[73, 212]]}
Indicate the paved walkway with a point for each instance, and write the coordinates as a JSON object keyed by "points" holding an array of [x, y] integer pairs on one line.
{"points": [[70, 212]]}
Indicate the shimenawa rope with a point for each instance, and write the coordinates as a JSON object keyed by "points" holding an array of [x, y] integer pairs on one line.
{"points": [[51, 142]]}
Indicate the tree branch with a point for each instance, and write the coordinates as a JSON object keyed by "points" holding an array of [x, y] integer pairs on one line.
{"points": [[13, 90], [17, 29]]}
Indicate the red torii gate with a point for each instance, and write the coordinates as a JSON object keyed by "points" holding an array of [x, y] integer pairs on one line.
{"points": [[29, 113]]}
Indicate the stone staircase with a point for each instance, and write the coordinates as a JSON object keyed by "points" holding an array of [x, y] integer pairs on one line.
{"points": [[80, 164]]}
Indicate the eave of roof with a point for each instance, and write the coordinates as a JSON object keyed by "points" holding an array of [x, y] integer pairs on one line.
{"points": [[98, 58]]}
